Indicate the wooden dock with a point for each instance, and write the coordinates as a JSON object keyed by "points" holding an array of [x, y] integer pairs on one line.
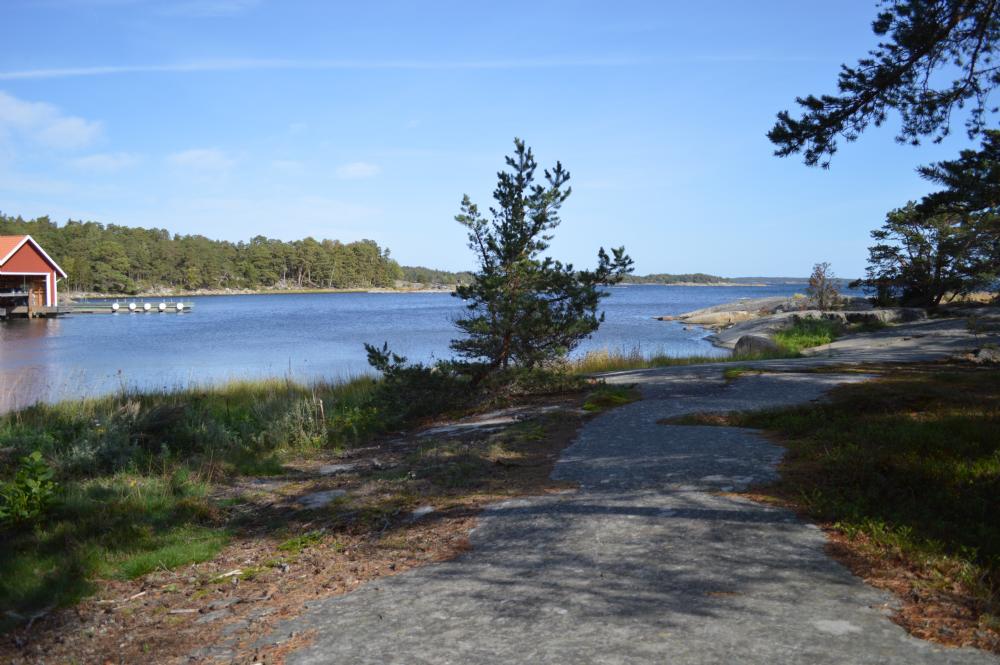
{"points": [[116, 307], [128, 307]]}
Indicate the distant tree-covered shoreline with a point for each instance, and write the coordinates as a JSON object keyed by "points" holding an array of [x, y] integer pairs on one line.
{"points": [[665, 278], [111, 258], [422, 275], [108, 258]]}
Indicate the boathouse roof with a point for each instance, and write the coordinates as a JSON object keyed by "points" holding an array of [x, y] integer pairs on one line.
{"points": [[11, 245]]}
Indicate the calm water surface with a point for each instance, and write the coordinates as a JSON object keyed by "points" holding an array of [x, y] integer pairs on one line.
{"points": [[304, 336]]}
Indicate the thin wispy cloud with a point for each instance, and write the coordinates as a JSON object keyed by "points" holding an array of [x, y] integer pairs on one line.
{"points": [[226, 65], [263, 64], [357, 171], [46, 124]]}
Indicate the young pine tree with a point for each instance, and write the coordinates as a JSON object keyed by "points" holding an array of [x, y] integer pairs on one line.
{"points": [[524, 309]]}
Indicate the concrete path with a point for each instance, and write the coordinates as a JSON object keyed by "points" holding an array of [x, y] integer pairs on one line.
{"points": [[645, 563]]}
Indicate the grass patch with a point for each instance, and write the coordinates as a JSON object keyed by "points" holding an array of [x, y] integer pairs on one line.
{"points": [[298, 543], [133, 471], [241, 427], [607, 360], [606, 397], [733, 373], [119, 527], [867, 326], [807, 333], [908, 468]]}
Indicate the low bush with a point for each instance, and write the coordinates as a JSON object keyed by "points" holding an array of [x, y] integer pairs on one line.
{"points": [[411, 391], [30, 494]]}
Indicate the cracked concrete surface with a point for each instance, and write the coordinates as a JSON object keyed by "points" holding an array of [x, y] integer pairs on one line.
{"points": [[646, 563]]}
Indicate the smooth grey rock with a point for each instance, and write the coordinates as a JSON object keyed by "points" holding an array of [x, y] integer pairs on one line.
{"points": [[213, 653], [227, 602], [422, 511], [766, 326], [923, 340], [235, 627], [336, 469], [753, 344], [320, 499], [214, 615], [645, 563], [270, 484]]}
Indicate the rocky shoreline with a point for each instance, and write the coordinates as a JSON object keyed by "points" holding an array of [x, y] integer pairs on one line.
{"points": [[758, 319]]}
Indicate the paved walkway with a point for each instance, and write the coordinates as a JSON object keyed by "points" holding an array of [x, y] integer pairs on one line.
{"points": [[645, 563]]}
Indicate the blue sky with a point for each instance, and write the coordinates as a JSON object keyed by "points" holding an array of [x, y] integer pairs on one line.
{"points": [[349, 120]]}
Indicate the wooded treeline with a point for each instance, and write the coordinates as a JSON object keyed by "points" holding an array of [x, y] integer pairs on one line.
{"points": [[666, 278], [109, 258], [422, 275], [431, 276]]}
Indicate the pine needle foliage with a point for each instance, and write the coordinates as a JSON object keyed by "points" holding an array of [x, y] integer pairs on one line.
{"points": [[934, 57], [948, 244], [525, 310]]}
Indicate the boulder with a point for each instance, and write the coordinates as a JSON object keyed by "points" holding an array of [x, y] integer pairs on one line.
{"points": [[871, 316], [985, 356], [754, 345]]}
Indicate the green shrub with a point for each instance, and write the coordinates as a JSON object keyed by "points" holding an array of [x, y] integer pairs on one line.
{"points": [[409, 392], [806, 333], [30, 494], [352, 423]]}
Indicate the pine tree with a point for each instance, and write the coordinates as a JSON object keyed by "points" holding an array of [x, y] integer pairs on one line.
{"points": [[947, 244], [937, 56], [524, 309]]}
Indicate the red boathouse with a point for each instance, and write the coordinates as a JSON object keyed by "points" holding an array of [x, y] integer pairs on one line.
{"points": [[28, 276]]}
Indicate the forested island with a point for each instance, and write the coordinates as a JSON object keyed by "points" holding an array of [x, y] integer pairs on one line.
{"points": [[697, 278]]}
